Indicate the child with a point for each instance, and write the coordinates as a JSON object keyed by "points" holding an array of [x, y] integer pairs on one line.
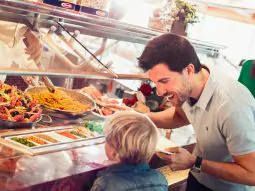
{"points": [[131, 140]]}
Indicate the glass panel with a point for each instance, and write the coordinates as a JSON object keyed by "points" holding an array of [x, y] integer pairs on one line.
{"points": [[66, 54]]}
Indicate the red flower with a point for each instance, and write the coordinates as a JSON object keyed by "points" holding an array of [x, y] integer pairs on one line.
{"points": [[130, 101], [146, 89]]}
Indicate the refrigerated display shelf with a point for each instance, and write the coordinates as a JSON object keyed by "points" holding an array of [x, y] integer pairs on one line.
{"points": [[28, 141]]}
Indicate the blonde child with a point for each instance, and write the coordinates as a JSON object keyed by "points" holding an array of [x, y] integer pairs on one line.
{"points": [[131, 140]]}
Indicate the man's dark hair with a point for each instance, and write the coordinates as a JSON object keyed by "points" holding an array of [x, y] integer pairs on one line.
{"points": [[173, 50]]}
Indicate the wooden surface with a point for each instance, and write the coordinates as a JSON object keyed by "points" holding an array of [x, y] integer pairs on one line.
{"points": [[174, 177]]}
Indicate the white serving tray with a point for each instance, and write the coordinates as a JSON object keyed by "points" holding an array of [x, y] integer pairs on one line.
{"points": [[65, 144]]}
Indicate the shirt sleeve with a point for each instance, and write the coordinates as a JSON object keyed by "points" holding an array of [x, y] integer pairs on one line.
{"points": [[239, 131], [11, 33]]}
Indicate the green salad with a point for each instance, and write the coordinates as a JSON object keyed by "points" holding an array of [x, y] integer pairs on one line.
{"points": [[95, 126], [78, 134], [23, 141]]}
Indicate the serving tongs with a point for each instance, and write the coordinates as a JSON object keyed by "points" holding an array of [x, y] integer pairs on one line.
{"points": [[48, 84], [45, 79], [93, 55]]}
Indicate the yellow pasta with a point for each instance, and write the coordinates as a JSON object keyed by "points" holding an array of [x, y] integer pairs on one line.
{"points": [[59, 100]]}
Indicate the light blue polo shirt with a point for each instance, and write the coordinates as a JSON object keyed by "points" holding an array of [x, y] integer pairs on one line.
{"points": [[224, 122]]}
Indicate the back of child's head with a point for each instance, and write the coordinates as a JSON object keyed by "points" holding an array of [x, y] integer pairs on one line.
{"points": [[132, 135]]}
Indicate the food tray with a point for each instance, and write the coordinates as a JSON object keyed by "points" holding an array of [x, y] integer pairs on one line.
{"points": [[65, 114], [48, 145]]}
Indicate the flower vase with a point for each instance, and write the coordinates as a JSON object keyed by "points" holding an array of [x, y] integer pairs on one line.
{"points": [[179, 27]]}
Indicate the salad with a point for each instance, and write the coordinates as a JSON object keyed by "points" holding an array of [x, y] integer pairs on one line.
{"points": [[95, 126], [17, 106]]}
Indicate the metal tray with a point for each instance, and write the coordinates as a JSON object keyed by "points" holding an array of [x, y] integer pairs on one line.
{"points": [[5, 124], [65, 114], [5, 139]]}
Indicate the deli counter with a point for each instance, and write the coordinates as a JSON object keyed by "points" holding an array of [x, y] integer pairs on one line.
{"points": [[53, 106]]}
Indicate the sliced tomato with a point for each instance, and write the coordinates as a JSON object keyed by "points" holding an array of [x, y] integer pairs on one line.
{"points": [[34, 117], [106, 111], [32, 103], [18, 118], [3, 116], [18, 103], [13, 101]]}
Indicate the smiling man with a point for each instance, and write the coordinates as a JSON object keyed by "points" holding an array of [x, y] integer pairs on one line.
{"points": [[220, 109]]}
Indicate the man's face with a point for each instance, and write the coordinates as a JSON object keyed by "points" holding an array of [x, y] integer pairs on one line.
{"points": [[173, 85]]}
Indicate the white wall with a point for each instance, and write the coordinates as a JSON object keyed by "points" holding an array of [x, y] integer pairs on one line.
{"points": [[238, 37]]}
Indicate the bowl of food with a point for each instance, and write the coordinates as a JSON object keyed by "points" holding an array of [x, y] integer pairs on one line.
{"points": [[109, 109], [105, 106], [17, 109], [63, 103]]}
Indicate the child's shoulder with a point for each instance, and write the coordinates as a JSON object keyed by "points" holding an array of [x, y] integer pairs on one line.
{"points": [[148, 179], [155, 174], [130, 178]]}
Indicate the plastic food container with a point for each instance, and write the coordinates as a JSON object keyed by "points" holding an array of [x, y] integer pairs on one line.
{"points": [[95, 7], [67, 4]]}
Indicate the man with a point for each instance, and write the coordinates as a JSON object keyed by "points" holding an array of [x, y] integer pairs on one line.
{"points": [[14, 50], [220, 109], [11, 33]]}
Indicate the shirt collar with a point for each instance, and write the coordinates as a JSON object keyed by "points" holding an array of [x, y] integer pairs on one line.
{"points": [[207, 92]]}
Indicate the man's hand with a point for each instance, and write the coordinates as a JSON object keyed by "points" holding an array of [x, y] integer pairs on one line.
{"points": [[31, 80], [180, 160], [34, 47]]}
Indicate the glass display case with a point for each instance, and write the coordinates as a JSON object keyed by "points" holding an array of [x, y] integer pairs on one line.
{"points": [[77, 49], [81, 57], [73, 41]]}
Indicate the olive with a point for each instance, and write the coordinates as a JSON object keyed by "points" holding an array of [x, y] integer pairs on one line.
{"points": [[8, 107], [7, 91], [26, 115], [14, 113], [23, 103]]}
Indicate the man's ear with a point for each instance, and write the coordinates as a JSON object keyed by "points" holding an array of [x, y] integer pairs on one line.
{"points": [[189, 70]]}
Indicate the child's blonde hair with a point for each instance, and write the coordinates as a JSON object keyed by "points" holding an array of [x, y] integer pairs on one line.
{"points": [[133, 135]]}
